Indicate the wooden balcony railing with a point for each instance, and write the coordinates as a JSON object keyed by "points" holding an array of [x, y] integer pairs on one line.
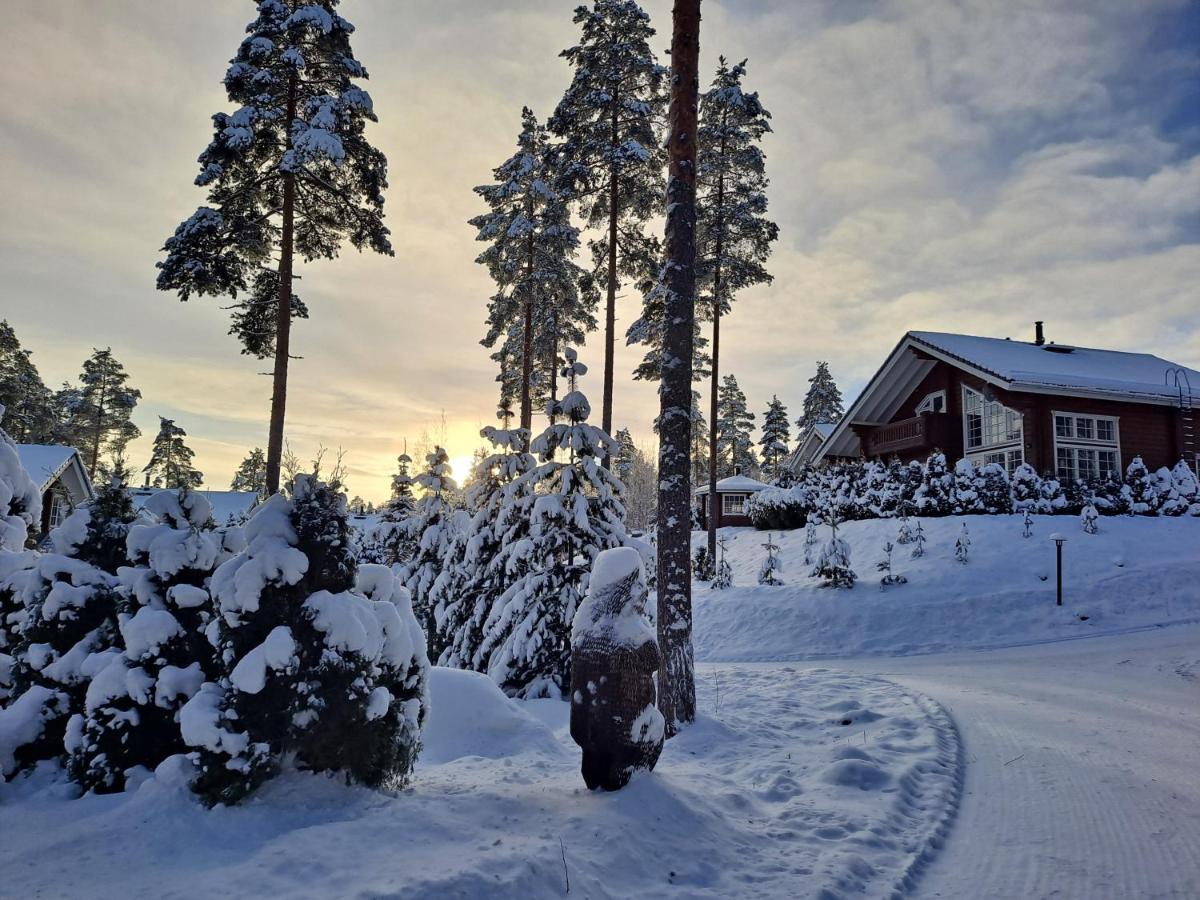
{"points": [[919, 433]]}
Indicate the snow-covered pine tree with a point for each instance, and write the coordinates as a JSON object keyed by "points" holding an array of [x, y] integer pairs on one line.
{"points": [[768, 573], [967, 484], [1186, 487], [810, 539], [1026, 489], [289, 172], [131, 709], [703, 568], [321, 664], [531, 245], [885, 566], [30, 415], [496, 496], [96, 414], [1142, 488], [1026, 524], [66, 605], [733, 234], [723, 573], [776, 433], [1090, 519], [429, 529], [822, 403], [395, 539], [962, 545], [699, 444], [170, 463], [833, 565], [20, 509], [935, 496], [561, 515], [735, 445], [610, 121], [918, 541], [251, 474], [994, 490], [904, 532], [637, 473]]}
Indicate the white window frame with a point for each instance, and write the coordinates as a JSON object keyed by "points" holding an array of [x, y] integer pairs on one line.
{"points": [[926, 405], [1074, 444], [60, 508], [730, 509], [1013, 449]]}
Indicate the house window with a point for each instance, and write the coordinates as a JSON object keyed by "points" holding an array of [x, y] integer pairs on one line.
{"points": [[733, 504], [1085, 447], [59, 510], [933, 403], [992, 432]]}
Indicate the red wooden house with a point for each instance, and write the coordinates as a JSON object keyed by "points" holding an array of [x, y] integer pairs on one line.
{"points": [[1078, 412]]}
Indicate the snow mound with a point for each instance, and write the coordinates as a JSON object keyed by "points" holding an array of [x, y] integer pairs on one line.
{"points": [[470, 716]]}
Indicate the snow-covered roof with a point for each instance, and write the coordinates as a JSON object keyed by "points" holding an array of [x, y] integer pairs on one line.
{"points": [[1054, 369], [48, 463], [225, 504], [735, 484], [824, 429]]}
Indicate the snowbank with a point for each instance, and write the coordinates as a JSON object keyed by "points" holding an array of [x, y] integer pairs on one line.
{"points": [[791, 783], [1136, 572]]}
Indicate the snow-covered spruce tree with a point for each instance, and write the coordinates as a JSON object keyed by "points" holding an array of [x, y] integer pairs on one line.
{"points": [[1026, 524], [935, 496], [538, 303], [392, 534], [610, 121], [20, 508], [561, 515], [768, 572], [251, 474], [317, 667], [833, 565], [885, 566], [776, 433], [636, 471], [30, 415], [495, 496], [1026, 489], [703, 567], [429, 530], [962, 545], [1142, 488], [1186, 487], [96, 414], [822, 403], [904, 532], [131, 709], [170, 463], [918, 542], [967, 484], [735, 445], [810, 539], [288, 172], [723, 572], [66, 604]]}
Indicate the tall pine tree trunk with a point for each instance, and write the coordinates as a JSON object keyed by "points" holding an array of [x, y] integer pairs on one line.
{"points": [[553, 366], [714, 511], [98, 433], [527, 334], [610, 308], [283, 313], [676, 678]]}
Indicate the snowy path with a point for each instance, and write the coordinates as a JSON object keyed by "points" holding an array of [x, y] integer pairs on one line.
{"points": [[1083, 767]]}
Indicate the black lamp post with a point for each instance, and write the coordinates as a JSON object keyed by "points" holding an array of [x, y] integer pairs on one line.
{"points": [[1059, 540]]}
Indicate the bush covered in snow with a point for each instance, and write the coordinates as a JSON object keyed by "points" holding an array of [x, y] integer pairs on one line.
{"points": [[317, 666], [131, 708], [873, 490]]}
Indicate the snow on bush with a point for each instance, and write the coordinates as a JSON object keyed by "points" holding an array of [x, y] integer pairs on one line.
{"points": [[319, 659], [871, 490], [20, 501]]}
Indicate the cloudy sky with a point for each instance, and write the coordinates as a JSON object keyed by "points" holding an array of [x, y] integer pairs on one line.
{"points": [[958, 166]]}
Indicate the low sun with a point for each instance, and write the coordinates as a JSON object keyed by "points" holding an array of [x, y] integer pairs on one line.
{"points": [[460, 467]]}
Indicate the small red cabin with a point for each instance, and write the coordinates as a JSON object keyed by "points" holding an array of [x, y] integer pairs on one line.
{"points": [[733, 493]]}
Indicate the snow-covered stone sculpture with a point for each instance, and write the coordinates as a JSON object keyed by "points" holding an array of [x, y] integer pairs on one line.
{"points": [[614, 656]]}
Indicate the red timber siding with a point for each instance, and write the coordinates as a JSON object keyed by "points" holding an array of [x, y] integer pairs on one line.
{"points": [[1151, 432]]}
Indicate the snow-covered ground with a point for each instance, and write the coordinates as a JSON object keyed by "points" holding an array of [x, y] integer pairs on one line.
{"points": [[790, 780], [1058, 767], [1137, 572]]}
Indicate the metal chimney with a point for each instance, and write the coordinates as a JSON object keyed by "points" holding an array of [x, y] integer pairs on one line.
{"points": [[1039, 335]]}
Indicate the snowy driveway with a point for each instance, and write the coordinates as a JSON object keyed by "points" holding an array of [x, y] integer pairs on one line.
{"points": [[1083, 767]]}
